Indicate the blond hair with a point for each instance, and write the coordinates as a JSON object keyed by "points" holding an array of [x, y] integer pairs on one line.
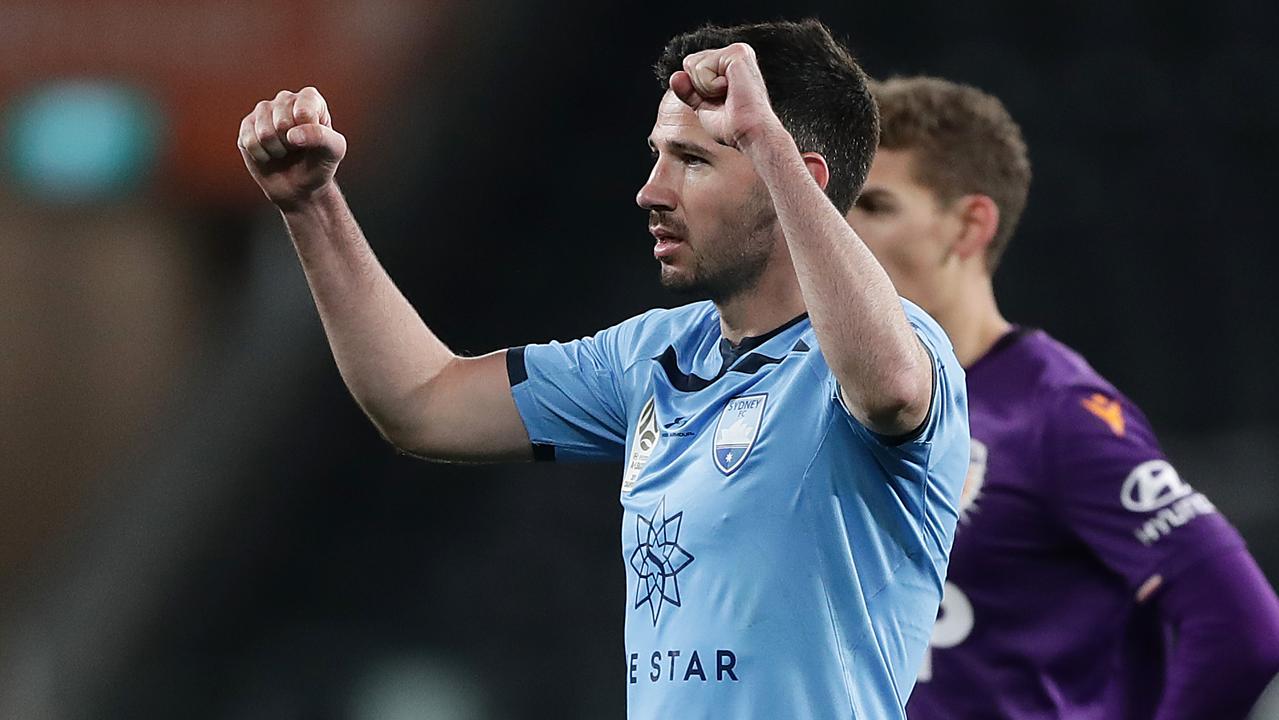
{"points": [[964, 142]]}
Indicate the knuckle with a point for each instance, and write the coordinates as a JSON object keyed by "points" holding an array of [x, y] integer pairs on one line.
{"points": [[283, 95]]}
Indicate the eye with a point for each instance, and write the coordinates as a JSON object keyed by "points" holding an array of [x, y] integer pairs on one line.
{"points": [[871, 204], [693, 160]]}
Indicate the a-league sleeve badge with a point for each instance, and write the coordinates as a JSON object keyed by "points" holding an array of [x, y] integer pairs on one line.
{"points": [[641, 446]]}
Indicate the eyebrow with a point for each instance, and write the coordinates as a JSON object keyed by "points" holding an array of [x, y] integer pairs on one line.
{"points": [[683, 146]]}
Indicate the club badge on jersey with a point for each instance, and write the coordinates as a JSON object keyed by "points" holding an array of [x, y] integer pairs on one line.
{"points": [[737, 430]]}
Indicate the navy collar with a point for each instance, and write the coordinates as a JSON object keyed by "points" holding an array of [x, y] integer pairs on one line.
{"points": [[731, 352]]}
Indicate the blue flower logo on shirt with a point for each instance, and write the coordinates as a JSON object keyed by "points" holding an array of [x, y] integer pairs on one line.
{"points": [[658, 559]]}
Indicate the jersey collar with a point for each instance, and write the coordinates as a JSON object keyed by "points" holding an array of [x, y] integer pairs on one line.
{"points": [[730, 352]]}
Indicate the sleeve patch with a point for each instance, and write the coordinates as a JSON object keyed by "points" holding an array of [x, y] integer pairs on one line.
{"points": [[1107, 410]]}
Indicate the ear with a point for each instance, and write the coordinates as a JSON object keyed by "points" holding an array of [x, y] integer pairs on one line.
{"points": [[979, 220], [816, 165]]}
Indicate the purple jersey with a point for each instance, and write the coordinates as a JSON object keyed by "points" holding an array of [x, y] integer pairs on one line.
{"points": [[1069, 508]]}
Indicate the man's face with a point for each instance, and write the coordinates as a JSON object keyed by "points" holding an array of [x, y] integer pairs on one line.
{"points": [[710, 213], [907, 229]]}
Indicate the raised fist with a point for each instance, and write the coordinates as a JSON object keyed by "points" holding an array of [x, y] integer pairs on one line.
{"points": [[726, 89], [290, 147]]}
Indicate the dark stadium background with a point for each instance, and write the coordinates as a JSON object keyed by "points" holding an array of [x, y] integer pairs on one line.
{"points": [[197, 522]]}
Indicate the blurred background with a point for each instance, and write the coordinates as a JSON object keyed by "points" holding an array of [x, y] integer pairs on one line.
{"points": [[195, 519]]}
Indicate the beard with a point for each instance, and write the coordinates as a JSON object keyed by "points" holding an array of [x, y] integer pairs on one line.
{"points": [[728, 261]]}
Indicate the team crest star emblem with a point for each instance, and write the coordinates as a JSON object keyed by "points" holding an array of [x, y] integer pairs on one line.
{"points": [[658, 559]]}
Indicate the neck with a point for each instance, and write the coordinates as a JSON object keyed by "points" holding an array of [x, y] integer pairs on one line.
{"points": [[974, 323], [770, 303]]}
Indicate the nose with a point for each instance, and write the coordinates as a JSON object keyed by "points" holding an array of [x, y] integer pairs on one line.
{"points": [[657, 193]]}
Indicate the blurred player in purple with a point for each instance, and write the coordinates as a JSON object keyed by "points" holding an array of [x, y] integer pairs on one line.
{"points": [[1087, 579]]}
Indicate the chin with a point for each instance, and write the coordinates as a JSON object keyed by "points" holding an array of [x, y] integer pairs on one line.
{"points": [[680, 281]]}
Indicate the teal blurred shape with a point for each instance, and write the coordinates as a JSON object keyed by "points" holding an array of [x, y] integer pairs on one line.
{"points": [[82, 140]]}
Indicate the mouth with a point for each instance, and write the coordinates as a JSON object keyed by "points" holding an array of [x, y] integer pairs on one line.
{"points": [[667, 244]]}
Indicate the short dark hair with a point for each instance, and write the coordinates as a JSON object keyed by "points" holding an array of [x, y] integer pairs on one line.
{"points": [[963, 140], [815, 86]]}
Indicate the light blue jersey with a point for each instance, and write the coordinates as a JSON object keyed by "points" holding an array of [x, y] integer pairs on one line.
{"points": [[782, 560]]}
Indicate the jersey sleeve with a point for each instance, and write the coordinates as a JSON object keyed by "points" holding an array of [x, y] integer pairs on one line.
{"points": [[569, 397], [1225, 617], [1117, 492], [927, 466], [948, 401]]}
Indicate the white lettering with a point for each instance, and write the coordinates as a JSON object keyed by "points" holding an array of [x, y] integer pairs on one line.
{"points": [[1171, 518], [954, 625]]}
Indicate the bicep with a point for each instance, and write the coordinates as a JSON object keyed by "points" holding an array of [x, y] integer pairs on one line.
{"points": [[467, 414]]}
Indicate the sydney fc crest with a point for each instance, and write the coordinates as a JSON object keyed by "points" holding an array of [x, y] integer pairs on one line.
{"points": [[737, 430]]}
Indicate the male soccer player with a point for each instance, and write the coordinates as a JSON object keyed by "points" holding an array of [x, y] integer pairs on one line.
{"points": [[1078, 542], [794, 447]]}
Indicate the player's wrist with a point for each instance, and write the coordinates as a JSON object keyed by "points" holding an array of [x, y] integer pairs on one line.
{"points": [[320, 200], [766, 130], [769, 139]]}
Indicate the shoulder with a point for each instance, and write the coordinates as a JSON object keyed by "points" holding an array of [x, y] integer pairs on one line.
{"points": [[1061, 372], [917, 317], [647, 335], [935, 339], [926, 326], [1080, 407], [1036, 365]]}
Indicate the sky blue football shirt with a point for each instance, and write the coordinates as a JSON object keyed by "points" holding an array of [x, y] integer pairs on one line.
{"points": [[782, 560]]}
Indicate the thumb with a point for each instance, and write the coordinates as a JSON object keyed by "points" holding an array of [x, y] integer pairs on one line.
{"points": [[313, 136]]}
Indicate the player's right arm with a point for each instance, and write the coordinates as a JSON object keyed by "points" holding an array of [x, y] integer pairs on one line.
{"points": [[420, 395]]}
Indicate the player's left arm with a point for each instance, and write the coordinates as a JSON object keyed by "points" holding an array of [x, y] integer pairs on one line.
{"points": [[1119, 494], [884, 372], [1223, 617]]}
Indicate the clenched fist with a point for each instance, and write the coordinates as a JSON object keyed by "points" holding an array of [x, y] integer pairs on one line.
{"points": [[290, 147], [726, 89]]}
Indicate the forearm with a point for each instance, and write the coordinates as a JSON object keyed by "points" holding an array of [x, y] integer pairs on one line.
{"points": [[883, 370], [387, 356], [1225, 621]]}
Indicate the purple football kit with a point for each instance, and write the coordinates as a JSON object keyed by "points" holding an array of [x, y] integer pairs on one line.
{"points": [[1070, 511]]}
